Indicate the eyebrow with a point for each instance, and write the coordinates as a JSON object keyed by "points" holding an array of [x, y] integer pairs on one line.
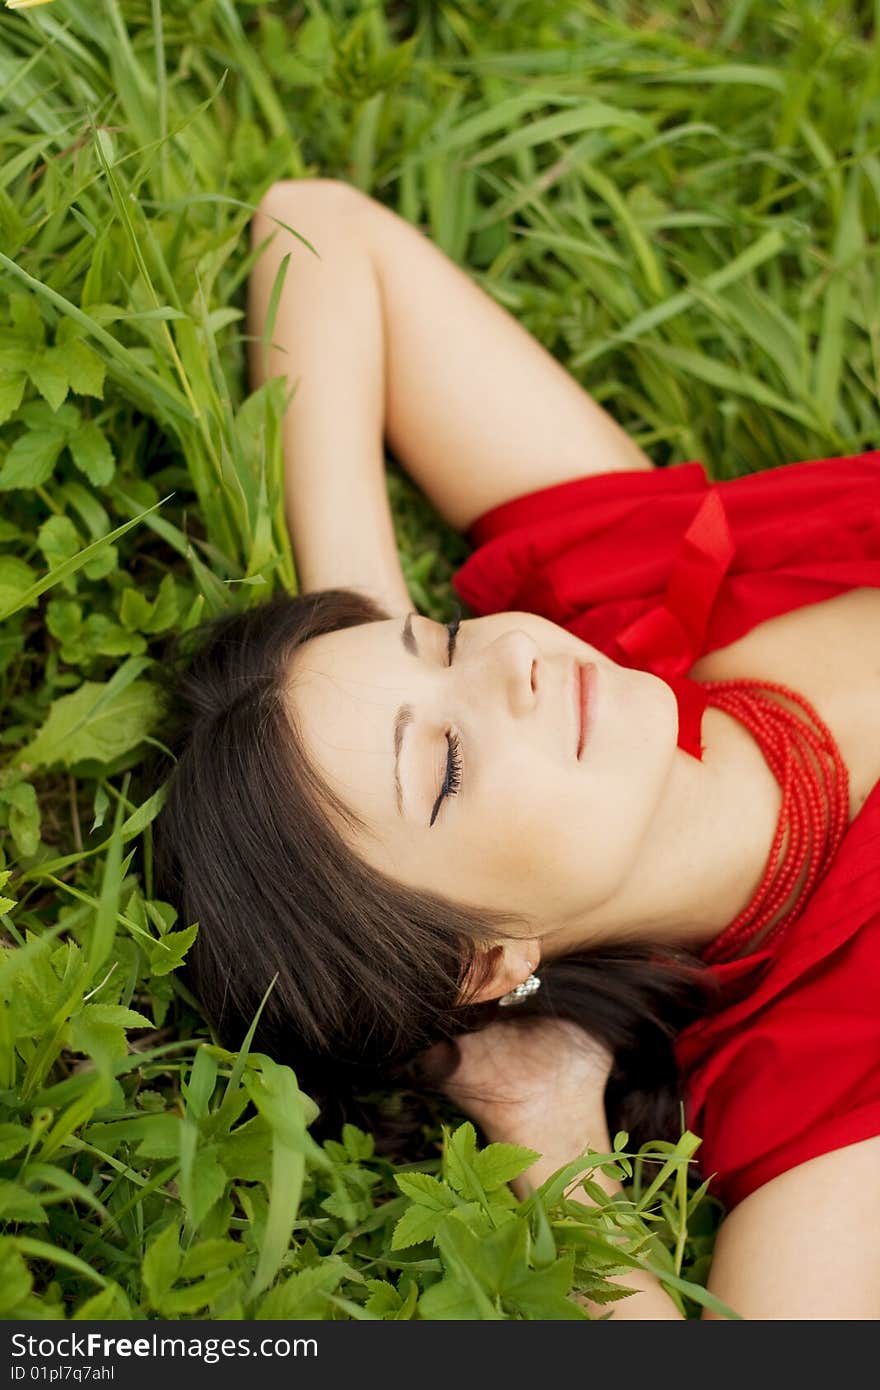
{"points": [[404, 716]]}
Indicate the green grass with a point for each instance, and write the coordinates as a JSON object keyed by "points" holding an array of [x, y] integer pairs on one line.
{"points": [[681, 201]]}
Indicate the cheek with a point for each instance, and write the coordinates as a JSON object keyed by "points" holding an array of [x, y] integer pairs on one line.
{"points": [[539, 824], [552, 850], [626, 781], [517, 830]]}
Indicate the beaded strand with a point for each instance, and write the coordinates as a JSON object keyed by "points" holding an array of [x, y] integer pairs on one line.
{"points": [[814, 813]]}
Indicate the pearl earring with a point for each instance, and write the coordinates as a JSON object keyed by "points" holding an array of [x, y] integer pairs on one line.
{"points": [[522, 991]]}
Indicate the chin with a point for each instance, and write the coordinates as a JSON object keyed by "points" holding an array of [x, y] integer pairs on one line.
{"points": [[663, 722], [666, 696], [640, 711], [647, 737]]}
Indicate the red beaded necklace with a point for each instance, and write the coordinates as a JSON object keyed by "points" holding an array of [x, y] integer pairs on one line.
{"points": [[816, 815]]}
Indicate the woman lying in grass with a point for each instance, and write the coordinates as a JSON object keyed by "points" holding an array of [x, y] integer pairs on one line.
{"points": [[630, 891]]}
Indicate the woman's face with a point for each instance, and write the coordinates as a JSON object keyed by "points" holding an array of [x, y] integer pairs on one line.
{"points": [[527, 826]]}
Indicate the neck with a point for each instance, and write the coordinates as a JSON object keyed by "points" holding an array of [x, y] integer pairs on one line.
{"points": [[704, 852]]}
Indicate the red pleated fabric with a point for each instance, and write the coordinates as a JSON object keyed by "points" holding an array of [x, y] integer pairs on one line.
{"points": [[656, 569]]}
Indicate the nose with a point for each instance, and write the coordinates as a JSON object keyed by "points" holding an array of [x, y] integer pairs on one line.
{"points": [[508, 668]]}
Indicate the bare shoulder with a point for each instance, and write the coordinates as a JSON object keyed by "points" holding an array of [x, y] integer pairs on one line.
{"points": [[830, 653], [804, 1246], [818, 634]]}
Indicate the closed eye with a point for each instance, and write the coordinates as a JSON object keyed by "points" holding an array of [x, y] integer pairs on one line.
{"points": [[452, 780], [452, 629]]}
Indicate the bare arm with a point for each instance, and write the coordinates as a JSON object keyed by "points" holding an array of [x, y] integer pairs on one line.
{"points": [[328, 339], [805, 1246], [387, 337]]}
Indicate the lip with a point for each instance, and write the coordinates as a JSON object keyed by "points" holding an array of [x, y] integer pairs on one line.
{"points": [[585, 678]]}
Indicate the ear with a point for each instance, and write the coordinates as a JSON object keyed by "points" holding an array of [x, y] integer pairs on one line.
{"points": [[507, 965]]}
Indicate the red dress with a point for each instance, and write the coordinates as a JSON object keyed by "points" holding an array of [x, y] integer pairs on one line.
{"points": [[657, 568]]}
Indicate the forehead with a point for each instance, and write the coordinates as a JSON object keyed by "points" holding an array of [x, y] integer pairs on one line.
{"points": [[343, 691], [355, 665]]}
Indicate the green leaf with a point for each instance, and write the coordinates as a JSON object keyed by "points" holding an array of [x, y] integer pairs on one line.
{"points": [[99, 1030], [49, 375], [207, 1256], [24, 816], [100, 636], [449, 1300], [64, 620], [193, 1297], [458, 1159], [30, 461], [542, 1294], [157, 1136], [92, 454], [505, 1254], [543, 1244], [59, 1182], [12, 386], [246, 1152], [341, 1204], [161, 1264], [416, 1225], [87, 506], [464, 1254], [167, 956], [304, 1295], [104, 925], [499, 1164], [42, 1250], [100, 806], [25, 314], [57, 576], [275, 1093], [589, 115], [58, 540], [117, 1015], [551, 1190], [102, 564], [85, 368], [425, 1190], [87, 725], [95, 1091], [135, 824], [17, 1204], [15, 1277], [165, 608], [358, 1145], [384, 1300], [199, 1086], [732, 380], [134, 610], [207, 1184], [16, 577], [831, 339], [13, 1138]]}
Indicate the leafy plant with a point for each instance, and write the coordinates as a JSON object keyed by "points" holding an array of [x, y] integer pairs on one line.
{"points": [[683, 207]]}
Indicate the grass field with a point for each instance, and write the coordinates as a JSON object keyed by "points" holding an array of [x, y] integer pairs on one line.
{"points": [[681, 200]]}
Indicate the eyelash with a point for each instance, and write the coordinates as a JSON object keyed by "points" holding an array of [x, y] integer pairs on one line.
{"points": [[452, 780]]}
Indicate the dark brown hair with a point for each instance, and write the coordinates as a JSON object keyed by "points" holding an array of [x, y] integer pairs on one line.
{"points": [[368, 970]]}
